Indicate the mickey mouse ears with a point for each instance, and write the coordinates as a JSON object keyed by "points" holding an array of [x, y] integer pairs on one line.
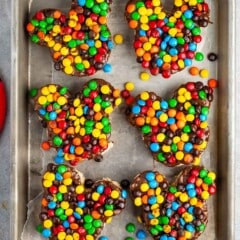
{"points": [[79, 42], [74, 208], [174, 130], [78, 127], [176, 210]]}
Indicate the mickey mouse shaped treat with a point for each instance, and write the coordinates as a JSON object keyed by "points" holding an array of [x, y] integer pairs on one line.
{"points": [[78, 127], [73, 208], [79, 42], [166, 42], [175, 130], [176, 211]]}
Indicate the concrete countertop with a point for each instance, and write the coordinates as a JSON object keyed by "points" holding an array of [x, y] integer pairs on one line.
{"points": [[5, 161], [5, 74]]}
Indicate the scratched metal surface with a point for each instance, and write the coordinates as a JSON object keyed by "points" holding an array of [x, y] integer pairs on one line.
{"points": [[33, 68]]}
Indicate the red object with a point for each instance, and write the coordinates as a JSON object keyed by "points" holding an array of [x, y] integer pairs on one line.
{"points": [[39, 16], [53, 189], [107, 191], [181, 210], [212, 189], [3, 105]]}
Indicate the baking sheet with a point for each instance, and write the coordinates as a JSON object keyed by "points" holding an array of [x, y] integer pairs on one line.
{"points": [[128, 155]]}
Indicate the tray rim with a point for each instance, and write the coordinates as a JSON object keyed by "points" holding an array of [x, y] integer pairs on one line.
{"points": [[17, 137], [228, 35]]}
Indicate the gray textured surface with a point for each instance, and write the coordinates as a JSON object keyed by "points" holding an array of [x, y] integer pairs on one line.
{"points": [[5, 70]]}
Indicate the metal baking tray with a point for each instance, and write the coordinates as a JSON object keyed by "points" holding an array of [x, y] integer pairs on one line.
{"points": [[33, 67]]}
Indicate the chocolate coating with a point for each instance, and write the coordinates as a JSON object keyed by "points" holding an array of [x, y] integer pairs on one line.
{"points": [[196, 131], [172, 209]]}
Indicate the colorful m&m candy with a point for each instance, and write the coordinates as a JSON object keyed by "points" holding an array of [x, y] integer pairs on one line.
{"points": [[72, 208], [166, 42], [80, 42], [78, 127], [176, 211], [175, 130]]}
